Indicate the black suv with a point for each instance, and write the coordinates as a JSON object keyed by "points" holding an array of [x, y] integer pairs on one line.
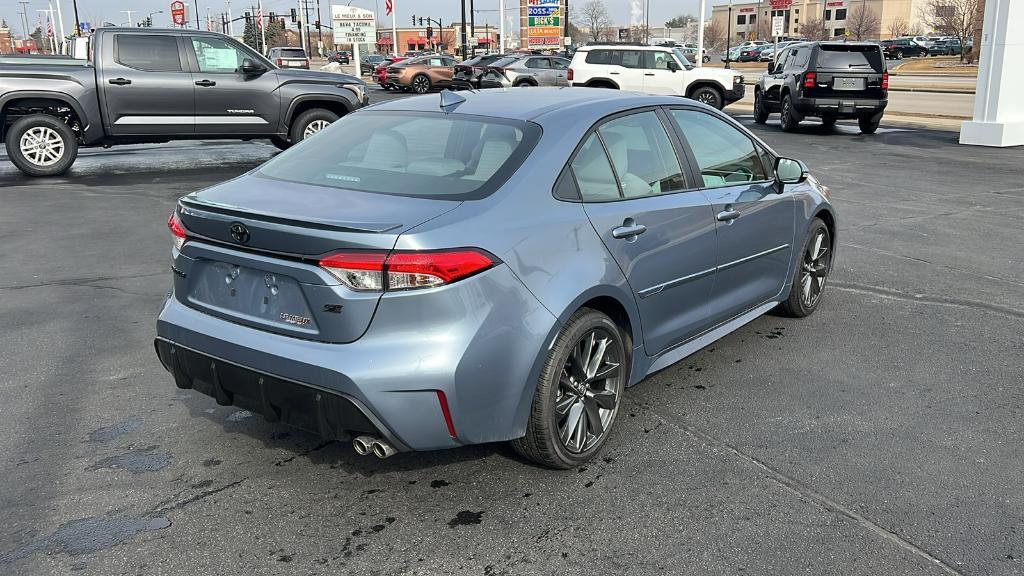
{"points": [[830, 80], [901, 48]]}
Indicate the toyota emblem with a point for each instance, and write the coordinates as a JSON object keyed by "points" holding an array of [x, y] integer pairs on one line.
{"points": [[239, 232]]}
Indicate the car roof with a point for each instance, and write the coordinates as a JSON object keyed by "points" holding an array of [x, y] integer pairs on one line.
{"points": [[510, 103], [624, 47]]}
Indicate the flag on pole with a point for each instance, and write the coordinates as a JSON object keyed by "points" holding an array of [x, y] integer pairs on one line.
{"points": [[49, 27], [259, 17], [389, 7]]}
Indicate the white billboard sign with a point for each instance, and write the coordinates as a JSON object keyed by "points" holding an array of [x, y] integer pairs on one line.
{"points": [[353, 25]]}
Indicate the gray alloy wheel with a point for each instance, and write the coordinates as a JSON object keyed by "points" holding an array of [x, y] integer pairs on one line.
{"points": [[421, 84], [814, 265], [309, 123], [41, 145], [899, 55], [788, 122], [578, 393]]}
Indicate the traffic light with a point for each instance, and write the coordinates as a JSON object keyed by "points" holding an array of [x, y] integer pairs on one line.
{"points": [[149, 21], [272, 16], [421, 20], [430, 31], [248, 18], [413, 19], [295, 15]]}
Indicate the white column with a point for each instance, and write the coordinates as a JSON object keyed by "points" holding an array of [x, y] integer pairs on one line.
{"points": [[699, 60], [60, 20], [501, 31], [998, 105]]}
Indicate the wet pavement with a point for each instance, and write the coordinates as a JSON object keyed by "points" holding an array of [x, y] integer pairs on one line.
{"points": [[882, 435]]}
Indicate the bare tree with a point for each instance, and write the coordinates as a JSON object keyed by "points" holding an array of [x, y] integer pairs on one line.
{"points": [[951, 17], [814, 28], [863, 22], [916, 30], [594, 16], [899, 26], [714, 37]]}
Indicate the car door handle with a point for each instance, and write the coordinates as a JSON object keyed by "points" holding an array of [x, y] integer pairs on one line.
{"points": [[205, 83], [615, 73], [628, 230], [648, 73], [727, 215], [119, 81]]}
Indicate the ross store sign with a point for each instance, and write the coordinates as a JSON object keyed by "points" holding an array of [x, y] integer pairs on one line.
{"points": [[353, 25], [543, 11]]}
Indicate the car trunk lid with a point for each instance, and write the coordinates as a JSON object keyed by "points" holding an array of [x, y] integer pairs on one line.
{"points": [[253, 253]]}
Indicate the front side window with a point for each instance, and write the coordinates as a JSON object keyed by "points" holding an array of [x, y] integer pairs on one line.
{"points": [[658, 60], [217, 55], [149, 52], [642, 155], [725, 155], [426, 155]]}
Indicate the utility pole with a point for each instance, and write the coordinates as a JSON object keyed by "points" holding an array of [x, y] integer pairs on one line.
{"points": [[129, 13], [309, 41], [501, 24], [78, 26], [472, 25], [197, 15], [463, 24], [24, 17], [728, 36], [320, 31]]}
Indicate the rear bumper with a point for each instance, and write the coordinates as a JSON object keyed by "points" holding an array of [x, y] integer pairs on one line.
{"points": [[840, 107], [479, 341]]}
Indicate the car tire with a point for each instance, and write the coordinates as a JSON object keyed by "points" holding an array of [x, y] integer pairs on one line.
{"points": [[706, 59], [760, 111], [525, 84], [421, 84], [898, 55], [868, 125], [281, 143], [788, 121], [708, 95], [813, 266], [828, 122], [310, 122], [573, 412], [51, 146]]}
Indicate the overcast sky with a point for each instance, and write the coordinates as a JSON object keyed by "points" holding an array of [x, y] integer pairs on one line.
{"points": [[98, 11]]}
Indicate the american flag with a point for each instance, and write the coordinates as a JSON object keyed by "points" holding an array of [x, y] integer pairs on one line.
{"points": [[49, 27], [259, 17], [389, 7]]}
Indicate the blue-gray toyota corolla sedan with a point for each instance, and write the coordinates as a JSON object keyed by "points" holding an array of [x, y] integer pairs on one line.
{"points": [[477, 267]]}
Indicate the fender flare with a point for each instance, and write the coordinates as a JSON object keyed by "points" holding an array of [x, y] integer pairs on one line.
{"points": [[71, 101], [590, 83], [286, 120]]}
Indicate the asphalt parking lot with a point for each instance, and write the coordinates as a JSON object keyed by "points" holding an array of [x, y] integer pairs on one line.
{"points": [[882, 435]]}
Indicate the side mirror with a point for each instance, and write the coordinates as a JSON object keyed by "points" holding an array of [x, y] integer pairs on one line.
{"points": [[250, 66], [789, 171], [673, 65]]}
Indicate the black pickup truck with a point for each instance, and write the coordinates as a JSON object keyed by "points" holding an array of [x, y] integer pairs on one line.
{"points": [[150, 86]]}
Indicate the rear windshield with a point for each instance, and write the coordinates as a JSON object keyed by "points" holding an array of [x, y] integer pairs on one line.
{"points": [[420, 154], [502, 62], [847, 57], [293, 53]]}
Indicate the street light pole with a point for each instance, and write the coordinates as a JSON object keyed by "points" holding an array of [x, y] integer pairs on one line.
{"points": [[700, 36], [728, 36]]}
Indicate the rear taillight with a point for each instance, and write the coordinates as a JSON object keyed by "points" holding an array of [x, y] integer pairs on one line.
{"points": [[177, 230], [405, 270], [568, 75], [885, 80], [279, 61], [307, 62], [809, 79]]}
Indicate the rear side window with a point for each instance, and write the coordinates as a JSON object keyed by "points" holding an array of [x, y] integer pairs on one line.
{"points": [[602, 57], [426, 155], [642, 155], [538, 63], [593, 173], [725, 155], [839, 57], [150, 52], [503, 62]]}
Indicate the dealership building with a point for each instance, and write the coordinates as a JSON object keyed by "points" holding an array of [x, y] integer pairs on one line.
{"points": [[753, 20]]}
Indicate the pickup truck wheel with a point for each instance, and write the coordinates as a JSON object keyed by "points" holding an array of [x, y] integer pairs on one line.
{"points": [[760, 112], [708, 95], [309, 123], [788, 121], [828, 122], [42, 145], [868, 125]]}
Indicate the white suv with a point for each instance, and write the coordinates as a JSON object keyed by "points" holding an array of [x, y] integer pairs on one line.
{"points": [[655, 70]]}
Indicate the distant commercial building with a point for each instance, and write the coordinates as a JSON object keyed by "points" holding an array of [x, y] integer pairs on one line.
{"points": [[6, 42], [753, 20], [447, 39]]}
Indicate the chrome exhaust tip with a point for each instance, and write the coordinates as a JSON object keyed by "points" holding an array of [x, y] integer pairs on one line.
{"points": [[363, 445], [382, 450]]}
